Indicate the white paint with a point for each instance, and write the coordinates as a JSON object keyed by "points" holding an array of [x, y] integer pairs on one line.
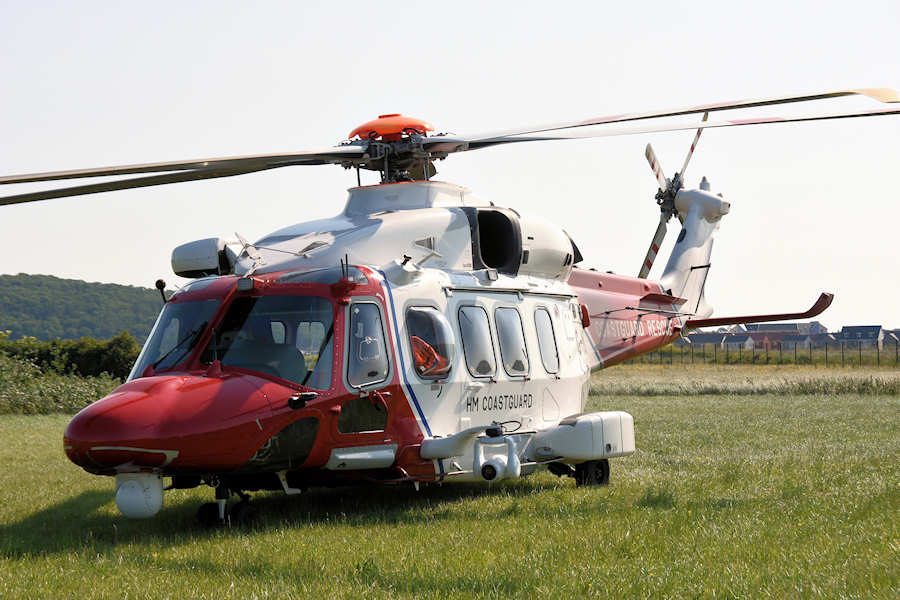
{"points": [[139, 495]]}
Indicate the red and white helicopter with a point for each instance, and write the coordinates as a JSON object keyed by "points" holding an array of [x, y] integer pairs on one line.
{"points": [[421, 335]]}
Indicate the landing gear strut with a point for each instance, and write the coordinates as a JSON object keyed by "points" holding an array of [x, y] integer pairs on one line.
{"points": [[216, 513]]}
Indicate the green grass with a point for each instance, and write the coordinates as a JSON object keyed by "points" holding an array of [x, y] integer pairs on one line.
{"points": [[729, 495], [700, 379]]}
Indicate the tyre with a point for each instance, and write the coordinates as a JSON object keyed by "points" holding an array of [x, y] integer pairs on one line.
{"points": [[592, 472]]}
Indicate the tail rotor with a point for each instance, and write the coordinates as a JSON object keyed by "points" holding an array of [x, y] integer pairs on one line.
{"points": [[665, 198]]}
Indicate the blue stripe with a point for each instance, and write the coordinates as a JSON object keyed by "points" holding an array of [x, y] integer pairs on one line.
{"points": [[412, 394]]}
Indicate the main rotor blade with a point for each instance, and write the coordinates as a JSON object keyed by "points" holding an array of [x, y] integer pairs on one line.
{"points": [[124, 184], [478, 144], [886, 95], [253, 162], [690, 153], [654, 247], [655, 167]]}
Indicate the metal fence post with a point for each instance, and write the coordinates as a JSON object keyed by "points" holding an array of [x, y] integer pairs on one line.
{"points": [[842, 353], [859, 347]]}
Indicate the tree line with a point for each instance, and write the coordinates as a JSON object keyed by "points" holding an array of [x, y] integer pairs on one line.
{"points": [[47, 307]]}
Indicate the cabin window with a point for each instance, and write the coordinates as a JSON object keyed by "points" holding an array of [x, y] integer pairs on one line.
{"points": [[431, 341], [367, 351], [546, 340], [477, 344], [513, 353], [258, 334]]}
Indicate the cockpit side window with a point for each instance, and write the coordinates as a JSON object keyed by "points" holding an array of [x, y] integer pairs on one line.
{"points": [[477, 344], [262, 334], [431, 341], [367, 361], [179, 327]]}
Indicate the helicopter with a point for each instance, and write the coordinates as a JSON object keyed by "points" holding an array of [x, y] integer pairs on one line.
{"points": [[422, 335]]}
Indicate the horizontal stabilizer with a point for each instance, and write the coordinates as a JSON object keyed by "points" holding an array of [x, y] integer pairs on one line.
{"points": [[662, 299], [818, 308]]}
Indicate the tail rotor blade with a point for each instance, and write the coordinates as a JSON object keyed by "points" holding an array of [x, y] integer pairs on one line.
{"points": [[690, 153], [654, 247], [654, 166]]}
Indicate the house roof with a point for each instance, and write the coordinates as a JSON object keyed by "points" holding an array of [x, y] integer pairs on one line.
{"points": [[797, 337], [822, 337], [737, 338], [778, 327], [860, 332], [706, 338]]}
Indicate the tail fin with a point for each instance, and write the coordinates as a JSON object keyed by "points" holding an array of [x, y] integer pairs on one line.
{"points": [[700, 212]]}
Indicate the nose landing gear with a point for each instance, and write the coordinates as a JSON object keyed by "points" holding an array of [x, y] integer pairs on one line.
{"points": [[218, 513]]}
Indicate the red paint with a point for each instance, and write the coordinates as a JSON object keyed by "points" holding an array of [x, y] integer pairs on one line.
{"points": [[628, 316], [390, 128], [211, 419]]}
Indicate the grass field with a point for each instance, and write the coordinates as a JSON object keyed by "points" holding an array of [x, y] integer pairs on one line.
{"points": [[733, 492]]}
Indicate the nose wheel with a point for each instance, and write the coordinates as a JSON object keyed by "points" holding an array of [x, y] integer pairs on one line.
{"points": [[218, 513]]}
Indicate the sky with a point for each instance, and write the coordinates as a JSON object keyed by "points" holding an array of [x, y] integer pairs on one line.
{"points": [[814, 207]]}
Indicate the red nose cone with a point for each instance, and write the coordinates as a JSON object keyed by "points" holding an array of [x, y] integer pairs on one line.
{"points": [[122, 427], [391, 127], [161, 422]]}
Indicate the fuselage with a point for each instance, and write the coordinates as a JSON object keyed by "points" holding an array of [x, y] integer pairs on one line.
{"points": [[295, 371]]}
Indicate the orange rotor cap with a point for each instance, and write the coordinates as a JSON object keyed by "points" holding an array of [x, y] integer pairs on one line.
{"points": [[390, 127]]}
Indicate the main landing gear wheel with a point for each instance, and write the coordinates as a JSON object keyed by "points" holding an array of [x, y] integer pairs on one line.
{"points": [[592, 472]]}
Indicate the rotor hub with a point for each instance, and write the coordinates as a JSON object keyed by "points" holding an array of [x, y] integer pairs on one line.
{"points": [[391, 128]]}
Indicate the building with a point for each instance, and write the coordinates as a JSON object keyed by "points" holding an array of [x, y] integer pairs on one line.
{"points": [[735, 341], [820, 340], [704, 339], [796, 341], [809, 328], [865, 336], [767, 340]]}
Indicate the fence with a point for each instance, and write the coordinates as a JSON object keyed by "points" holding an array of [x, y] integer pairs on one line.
{"points": [[838, 354]]}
